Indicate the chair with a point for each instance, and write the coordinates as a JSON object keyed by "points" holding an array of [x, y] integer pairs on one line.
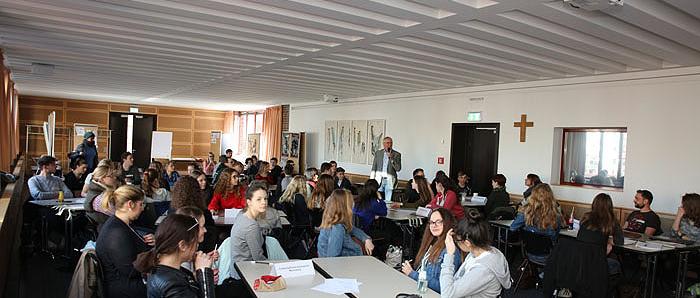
{"points": [[578, 266], [535, 246], [87, 281], [502, 213]]}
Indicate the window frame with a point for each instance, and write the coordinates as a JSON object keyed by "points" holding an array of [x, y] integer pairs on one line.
{"points": [[566, 130]]}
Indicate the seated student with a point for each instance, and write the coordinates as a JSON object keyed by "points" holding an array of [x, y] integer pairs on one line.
{"points": [[209, 165], [251, 168], [205, 190], [644, 220], [369, 205], [324, 188], [88, 177], [228, 193], [311, 178], [463, 184], [432, 249], [334, 167], [498, 197], [446, 197], [437, 175], [46, 186], [420, 187], [335, 239], [104, 179], [288, 176], [598, 225], [152, 188], [170, 175], [294, 201], [158, 166], [186, 194], [246, 235], [275, 171], [484, 271], [223, 164], [129, 172], [75, 179], [191, 167], [118, 244], [687, 222], [531, 181], [539, 216], [177, 239], [410, 193], [325, 168], [340, 180], [264, 174]]}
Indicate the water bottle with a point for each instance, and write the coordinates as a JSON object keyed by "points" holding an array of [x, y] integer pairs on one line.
{"points": [[422, 282]]}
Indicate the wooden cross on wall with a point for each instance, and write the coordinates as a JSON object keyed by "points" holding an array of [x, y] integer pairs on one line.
{"points": [[523, 124]]}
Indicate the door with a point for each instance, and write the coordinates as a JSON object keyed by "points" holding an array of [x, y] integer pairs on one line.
{"points": [[139, 128], [144, 125], [474, 150]]}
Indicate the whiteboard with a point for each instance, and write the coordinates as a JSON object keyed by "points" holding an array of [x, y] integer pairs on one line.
{"points": [[161, 144]]}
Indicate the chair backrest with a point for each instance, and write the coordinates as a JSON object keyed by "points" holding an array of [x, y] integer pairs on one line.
{"points": [[579, 266], [502, 213], [535, 243]]}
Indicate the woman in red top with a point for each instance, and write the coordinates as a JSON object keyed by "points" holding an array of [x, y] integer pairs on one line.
{"points": [[446, 197], [228, 192], [264, 173]]}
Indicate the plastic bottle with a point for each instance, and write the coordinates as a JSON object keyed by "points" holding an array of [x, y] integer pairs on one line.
{"points": [[422, 282], [60, 196]]}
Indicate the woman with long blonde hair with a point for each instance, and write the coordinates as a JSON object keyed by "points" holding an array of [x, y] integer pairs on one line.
{"points": [[295, 201], [335, 238], [540, 215]]}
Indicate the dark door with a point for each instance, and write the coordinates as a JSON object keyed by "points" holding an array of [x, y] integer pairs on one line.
{"points": [[475, 150], [142, 131], [118, 126], [144, 125]]}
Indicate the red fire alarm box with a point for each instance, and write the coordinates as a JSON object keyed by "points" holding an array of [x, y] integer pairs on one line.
{"points": [[441, 160]]}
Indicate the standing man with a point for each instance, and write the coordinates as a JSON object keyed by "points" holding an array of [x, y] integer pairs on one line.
{"points": [[387, 163], [86, 150]]}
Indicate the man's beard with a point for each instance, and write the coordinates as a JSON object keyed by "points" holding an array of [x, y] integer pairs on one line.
{"points": [[638, 206]]}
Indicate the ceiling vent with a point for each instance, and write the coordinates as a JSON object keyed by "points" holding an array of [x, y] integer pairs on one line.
{"points": [[330, 98], [594, 4], [42, 69]]}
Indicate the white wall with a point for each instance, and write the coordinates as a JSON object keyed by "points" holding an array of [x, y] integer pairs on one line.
{"points": [[660, 110]]}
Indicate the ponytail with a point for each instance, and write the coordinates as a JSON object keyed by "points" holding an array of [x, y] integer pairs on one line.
{"points": [[146, 261], [173, 229], [117, 198]]}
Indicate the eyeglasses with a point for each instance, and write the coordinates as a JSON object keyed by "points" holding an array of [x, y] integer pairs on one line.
{"points": [[196, 224], [436, 223]]}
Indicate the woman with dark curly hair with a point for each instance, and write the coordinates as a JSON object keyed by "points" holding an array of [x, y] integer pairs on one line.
{"points": [[186, 193]]}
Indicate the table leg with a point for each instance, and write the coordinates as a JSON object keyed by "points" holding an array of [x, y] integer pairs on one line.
{"points": [[650, 276], [68, 227], [505, 251], [682, 269]]}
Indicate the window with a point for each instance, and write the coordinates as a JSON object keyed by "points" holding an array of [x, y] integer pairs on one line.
{"points": [[245, 123], [594, 156]]}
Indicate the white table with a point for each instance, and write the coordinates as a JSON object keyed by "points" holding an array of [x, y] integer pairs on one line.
{"points": [[67, 207], [298, 287], [473, 204], [54, 202], [378, 279]]}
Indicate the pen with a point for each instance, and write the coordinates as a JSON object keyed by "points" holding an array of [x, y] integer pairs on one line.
{"points": [[261, 262]]}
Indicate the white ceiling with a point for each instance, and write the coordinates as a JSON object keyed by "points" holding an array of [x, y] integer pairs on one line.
{"points": [[231, 54]]}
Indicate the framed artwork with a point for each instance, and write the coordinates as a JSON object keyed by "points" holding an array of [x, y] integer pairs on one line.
{"points": [[359, 141], [331, 138], [254, 144], [375, 134], [345, 141]]}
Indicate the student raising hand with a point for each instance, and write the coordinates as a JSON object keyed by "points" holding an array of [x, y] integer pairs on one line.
{"points": [[450, 243]]}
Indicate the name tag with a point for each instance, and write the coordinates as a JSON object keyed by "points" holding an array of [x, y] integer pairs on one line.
{"points": [[422, 211], [232, 213], [293, 269]]}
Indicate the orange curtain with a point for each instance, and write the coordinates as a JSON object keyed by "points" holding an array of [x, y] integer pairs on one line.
{"points": [[272, 133], [9, 126]]}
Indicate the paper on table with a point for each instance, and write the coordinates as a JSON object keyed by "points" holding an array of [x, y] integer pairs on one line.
{"points": [[339, 286], [232, 213]]}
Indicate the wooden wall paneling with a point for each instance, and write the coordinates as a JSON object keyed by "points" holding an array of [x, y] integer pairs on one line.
{"points": [[100, 118], [182, 136], [200, 150], [37, 115], [210, 114], [172, 111], [182, 150], [178, 122], [148, 109], [201, 137], [88, 105], [35, 101], [118, 108], [209, 124]]}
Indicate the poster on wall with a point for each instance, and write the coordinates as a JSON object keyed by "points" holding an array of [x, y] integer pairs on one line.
{"points": [[375, 134], [331, 137], [345, 141], [359, 141], [290, 145], [254, 144], [79, 131]]}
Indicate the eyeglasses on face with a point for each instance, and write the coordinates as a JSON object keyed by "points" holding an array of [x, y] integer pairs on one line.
{"points": [[436, 223]]}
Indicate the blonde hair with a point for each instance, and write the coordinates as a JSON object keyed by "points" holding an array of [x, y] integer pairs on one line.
{"points": [[120, 196], [296, 186], [105, 162], [338, 210], [101, 172], [541, 209]]}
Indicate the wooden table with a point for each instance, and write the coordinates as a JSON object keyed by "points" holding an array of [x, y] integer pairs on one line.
{"points": [[378, 279]]}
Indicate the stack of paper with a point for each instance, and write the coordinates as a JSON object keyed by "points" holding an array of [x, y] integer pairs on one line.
{"points": [[339, 286]]}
